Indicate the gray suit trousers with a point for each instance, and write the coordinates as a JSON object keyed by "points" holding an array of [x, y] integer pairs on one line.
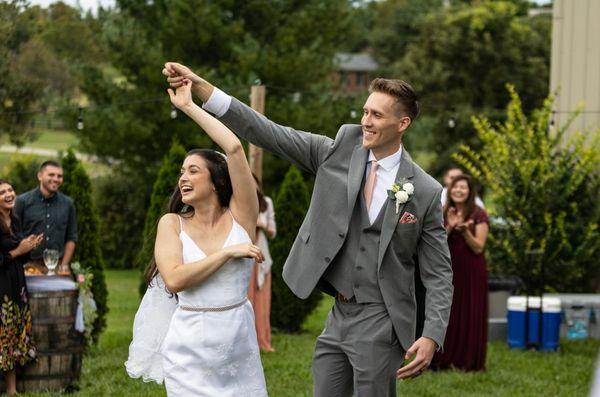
{"points": [[358, 351]]}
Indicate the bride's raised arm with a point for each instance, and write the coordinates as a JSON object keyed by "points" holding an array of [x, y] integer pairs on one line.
{"points": [[244, 202]]}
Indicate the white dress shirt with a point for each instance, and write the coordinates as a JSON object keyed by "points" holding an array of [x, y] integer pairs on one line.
{"points": [[386, 177], [219, 103]]}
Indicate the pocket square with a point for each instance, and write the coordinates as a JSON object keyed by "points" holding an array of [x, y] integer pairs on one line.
{"points": [[407, 217]]}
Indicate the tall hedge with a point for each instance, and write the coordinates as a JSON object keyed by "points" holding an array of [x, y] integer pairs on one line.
{"points": [[123, 209], [544, 186], [161, 192], [21, 172], [78, 186], [287, 311]]}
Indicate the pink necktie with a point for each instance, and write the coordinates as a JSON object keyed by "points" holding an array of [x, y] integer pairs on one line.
{"points": [[370, 184]]}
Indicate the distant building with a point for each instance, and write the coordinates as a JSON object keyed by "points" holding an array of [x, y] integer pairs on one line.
{"points": [[355, 70], [575, 65]]}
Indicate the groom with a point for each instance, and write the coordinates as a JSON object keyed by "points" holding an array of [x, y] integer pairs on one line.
{"points": [[374, 220]]}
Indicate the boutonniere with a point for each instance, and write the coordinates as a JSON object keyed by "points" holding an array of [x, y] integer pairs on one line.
{"points": [[401, 192]]}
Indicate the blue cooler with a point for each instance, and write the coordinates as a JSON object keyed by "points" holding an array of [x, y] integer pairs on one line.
{"points": [[517, 326]]}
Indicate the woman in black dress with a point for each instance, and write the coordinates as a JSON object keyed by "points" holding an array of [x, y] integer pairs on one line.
{"points": [[16, 346]]}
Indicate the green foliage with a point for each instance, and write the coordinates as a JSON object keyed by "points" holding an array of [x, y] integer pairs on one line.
{"points": [[463, 57], [287, 311], [228, 43], [161, 192], [40, 56], [17, 89], [22, 173], [396, 24], [545, 186], [78, 186], [122, 205]]}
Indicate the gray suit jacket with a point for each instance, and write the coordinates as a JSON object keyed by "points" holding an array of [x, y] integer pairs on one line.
{"points": [[339, 166]]}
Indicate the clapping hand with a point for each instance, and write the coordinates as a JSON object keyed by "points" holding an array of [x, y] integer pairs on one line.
{"points": [[464, 226], [29, 243], [454, 217]]}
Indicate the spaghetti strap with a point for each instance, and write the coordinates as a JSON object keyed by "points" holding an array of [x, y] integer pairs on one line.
{"points": [[180, 224]]}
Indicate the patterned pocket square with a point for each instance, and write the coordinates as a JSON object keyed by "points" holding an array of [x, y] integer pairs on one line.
{"points": [[407, 217]]}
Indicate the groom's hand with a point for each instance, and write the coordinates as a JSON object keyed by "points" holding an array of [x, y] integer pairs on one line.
{"points": [[421, 352], [177, 73]]}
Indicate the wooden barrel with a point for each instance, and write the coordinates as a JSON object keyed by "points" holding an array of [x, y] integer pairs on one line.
{"points": [[59, 346]]}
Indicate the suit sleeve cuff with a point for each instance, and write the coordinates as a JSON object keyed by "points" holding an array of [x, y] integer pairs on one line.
{"points": [[218, 103]]}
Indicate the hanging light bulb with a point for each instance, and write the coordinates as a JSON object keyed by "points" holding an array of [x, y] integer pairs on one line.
{"points": [[80, 125], [353, 113], [451, 122], [173, 112]]}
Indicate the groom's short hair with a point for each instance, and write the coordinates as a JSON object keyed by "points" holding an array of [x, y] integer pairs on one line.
{"points": [[402, 91]]}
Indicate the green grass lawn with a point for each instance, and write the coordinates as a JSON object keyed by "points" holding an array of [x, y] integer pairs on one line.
{"points": [[55, 139], [509, 373]]}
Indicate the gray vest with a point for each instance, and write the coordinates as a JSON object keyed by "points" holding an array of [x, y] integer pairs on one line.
{"points": [[353, 271]]}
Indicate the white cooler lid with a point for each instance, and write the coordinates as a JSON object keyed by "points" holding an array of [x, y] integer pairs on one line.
{"points": [[517, 303]]}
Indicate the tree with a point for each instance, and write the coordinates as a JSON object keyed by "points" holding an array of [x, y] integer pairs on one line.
{"points": [[161, 191], [78, 186], [287, 311], [463, 57], [545, 188], [396, 24], [227, 42], [17, 91], [123, 211], [22, 173], [40, 56]]}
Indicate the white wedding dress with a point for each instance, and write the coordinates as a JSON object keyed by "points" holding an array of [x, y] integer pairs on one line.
{"points": [[209, 347]]}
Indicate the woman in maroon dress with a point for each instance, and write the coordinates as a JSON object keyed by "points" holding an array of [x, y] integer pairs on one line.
{"points": [[467, 228]]}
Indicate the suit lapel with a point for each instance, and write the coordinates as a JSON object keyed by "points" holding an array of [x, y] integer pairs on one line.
{"points": [[356, 172], [390, 220]]}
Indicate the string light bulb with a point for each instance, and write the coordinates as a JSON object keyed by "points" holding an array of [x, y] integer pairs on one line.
{"points": [[353, 113], [451, 122], [80, 125], [173, 112]]}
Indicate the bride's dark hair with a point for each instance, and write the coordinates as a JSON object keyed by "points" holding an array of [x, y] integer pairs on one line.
{"points": [[219, 176]]}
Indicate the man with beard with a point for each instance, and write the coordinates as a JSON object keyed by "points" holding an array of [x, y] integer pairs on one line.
{"points": [[48, 211]]}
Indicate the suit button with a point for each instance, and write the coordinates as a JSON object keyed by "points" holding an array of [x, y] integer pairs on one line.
{"points": [[359, 267], [357, 286], [342, 235], [362, 249], [327, 259]]}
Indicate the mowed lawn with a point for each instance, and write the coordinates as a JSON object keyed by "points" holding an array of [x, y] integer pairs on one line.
{"points": [[288, 372]]}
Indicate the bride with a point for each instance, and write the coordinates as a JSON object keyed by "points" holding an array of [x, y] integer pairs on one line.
{"points": [[202, 341]]}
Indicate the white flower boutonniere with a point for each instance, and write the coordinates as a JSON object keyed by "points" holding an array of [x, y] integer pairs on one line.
{"points": [[401, 192]]}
